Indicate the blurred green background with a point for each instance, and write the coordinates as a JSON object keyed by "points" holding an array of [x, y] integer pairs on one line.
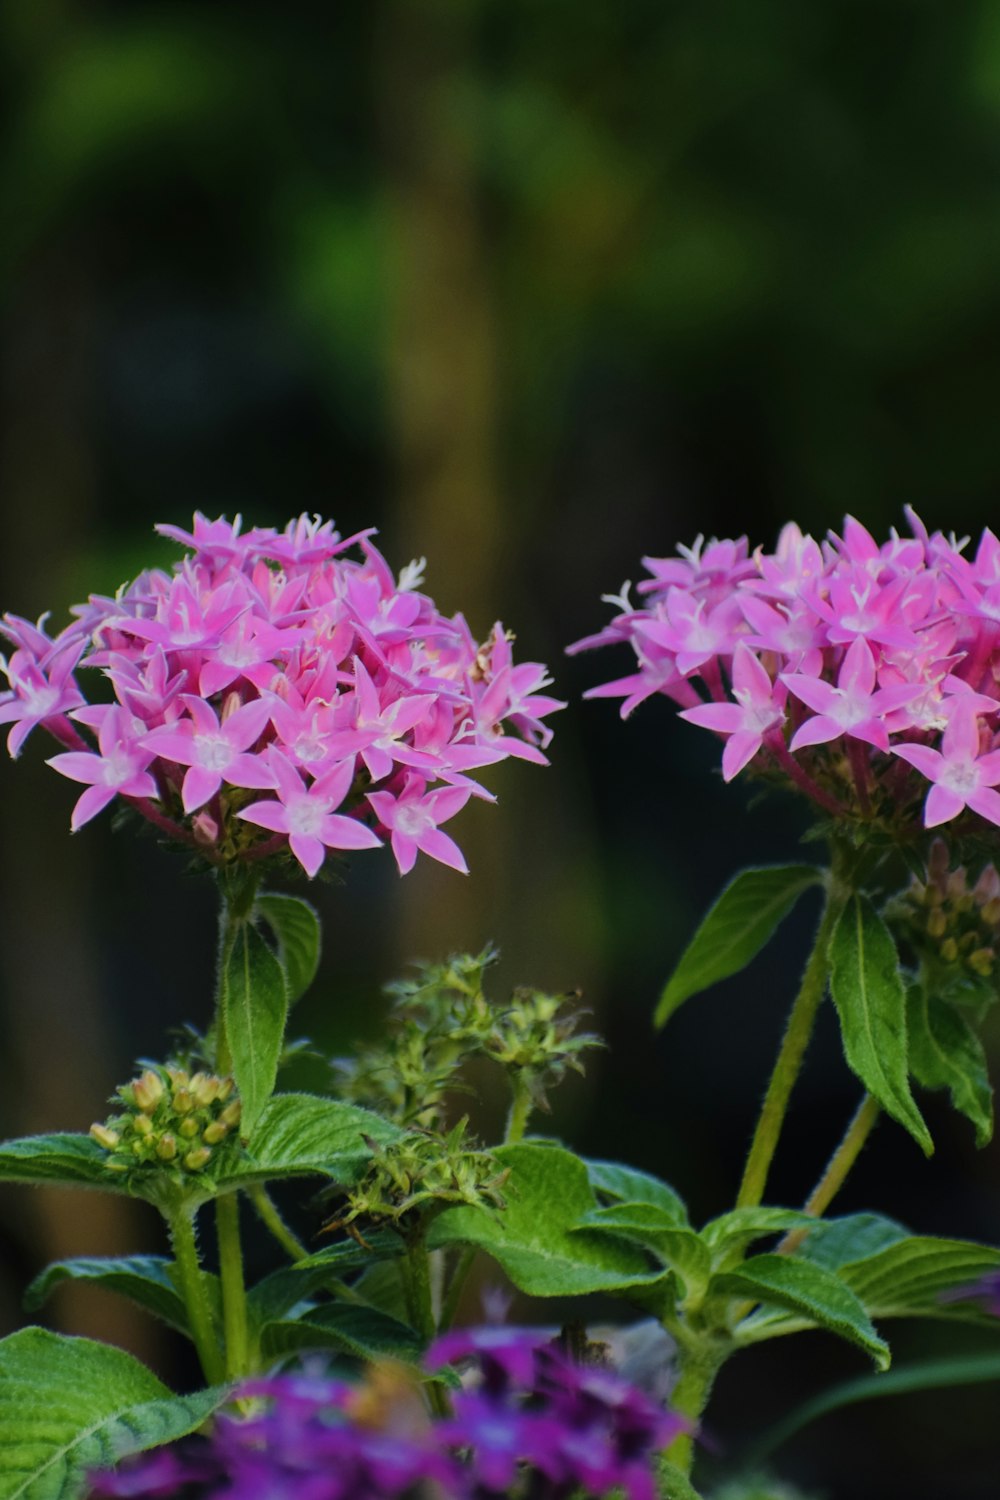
{"points": [[536, 286]]}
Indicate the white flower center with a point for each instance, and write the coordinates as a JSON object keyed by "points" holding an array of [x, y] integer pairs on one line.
{"points": [[960, 777], [214, 751], [305, 816], [413, 821]]}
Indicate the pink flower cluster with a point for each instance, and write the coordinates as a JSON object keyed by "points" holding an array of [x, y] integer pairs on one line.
{"points": [[270, 682], [842, 664]]}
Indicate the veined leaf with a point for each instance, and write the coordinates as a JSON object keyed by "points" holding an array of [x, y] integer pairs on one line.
{"points": [[66, 1160], [272, 1297], [868, 991], [363, 1332], [255, 1007], [300, 1135], [145, 1279], [737, 927], [909, 1277], [533, 1238], [838, 1242], [677, 1248], [732, 1232], [808, 1290], [296, 926], [945, 1053], [69, 1404], [611, 1180]]}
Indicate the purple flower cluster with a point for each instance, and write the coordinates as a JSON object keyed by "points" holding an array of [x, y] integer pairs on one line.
{"points": [[840, 664], [271, 663], [533, 1423]]}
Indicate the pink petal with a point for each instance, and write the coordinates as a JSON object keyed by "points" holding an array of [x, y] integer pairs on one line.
{"points": [[724, 718], [440, 847], [818, 731], [927, 761], [78, 765], [941, 806], [199, 785], [739, 751], [93, 801], [348, 833], [986, 803], [309, 852], [405, 851], [273, 815]]}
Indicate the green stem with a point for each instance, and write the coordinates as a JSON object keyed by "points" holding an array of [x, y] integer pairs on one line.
{"points": [[689, 1397], [789, 1061], [453, 1296], [840, 1163], [268, 1214], [235, 1324], [195, 1294], [421, 1305], [520, 1110]]}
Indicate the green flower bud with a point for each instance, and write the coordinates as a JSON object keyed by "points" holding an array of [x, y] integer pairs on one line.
{"points": [[104, 1137], [147, 1091], [949, 950], [214, 1133], [981, 962], [937, 923], [166, 1147], [183, 1101], [198, 1158], [231, 1114], [142, 1125], [188, 1127]]}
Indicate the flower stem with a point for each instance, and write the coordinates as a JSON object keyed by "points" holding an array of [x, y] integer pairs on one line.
{"points": [[789, 1061], [268, 1214], [689, 1398], [421, 1307], [234, 1296], [840, 1163], [520, 1110], [453, 1296], [194, 1292]]}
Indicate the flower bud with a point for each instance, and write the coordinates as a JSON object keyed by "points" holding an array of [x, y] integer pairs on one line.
{"points": [[937, 923], [214, 1133], [104, 1137], [147, 1091], [198, 1158], [188, 1127], [166, 1147], [981, 962], [231, 1114], [142, 1125], [205, 1089], [183, 1102], [949, 950]]}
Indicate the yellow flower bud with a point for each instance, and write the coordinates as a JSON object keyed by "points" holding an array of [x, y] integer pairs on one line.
{"points": [[147, 1091], [214, 1133], [198, 1158], [104, 1137], [166, 1147]]}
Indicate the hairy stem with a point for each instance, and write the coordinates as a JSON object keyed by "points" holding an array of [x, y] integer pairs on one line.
{"points": [[421, 1307], [837, 1169], [267, 1212], [789, 1061], [235, 1324], [195, 1294], [520, 1110], [456, 1286], [689, 1397]]}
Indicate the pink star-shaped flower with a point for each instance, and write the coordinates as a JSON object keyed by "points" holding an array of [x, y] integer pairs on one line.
{"points": [[962, 777], [214, 752], [120, 767], [413, 818], [747, 721], [307, 814], [853, 707]]}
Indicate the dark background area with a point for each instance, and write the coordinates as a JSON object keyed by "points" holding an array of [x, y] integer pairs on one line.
{"points": [[536, 286]]}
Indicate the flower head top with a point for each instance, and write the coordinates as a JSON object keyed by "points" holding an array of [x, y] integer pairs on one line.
{"points": [[844, 666], [272, 692]]}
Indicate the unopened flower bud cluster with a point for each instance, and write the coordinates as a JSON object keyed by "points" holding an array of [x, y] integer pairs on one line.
{"points": [[442, 1018], [421, 1171], [949, 920], [170, 1118]]}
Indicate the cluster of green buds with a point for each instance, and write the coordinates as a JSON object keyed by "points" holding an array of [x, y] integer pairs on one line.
{"points": [[535, 1040], [423, 1171], [950, 923], [442, 1018], [171, 1118]]}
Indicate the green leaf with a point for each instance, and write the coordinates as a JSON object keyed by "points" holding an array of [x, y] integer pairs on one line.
{"points": [[945, 1053], [255, 1008], [272, 1297], [301, 1135], [736, 928], [733, 1232], [362, 1331], [612, 1180], [679, 1249], [145, 1279], [68, 1160], [295, 924], [868, 991], [533, 1238], [909, 1277], [838, 1242], [928, 1375], [810, 1291], [69, 1404]]}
